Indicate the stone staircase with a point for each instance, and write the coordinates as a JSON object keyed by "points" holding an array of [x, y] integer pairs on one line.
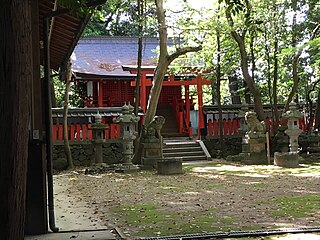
{"points": [[170, 127], [187, 150]]}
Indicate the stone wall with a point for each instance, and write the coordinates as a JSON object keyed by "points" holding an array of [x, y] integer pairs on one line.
{"points": [[232, 146], [83, 154]]}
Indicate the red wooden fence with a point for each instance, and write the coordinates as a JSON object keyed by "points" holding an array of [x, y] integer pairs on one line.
{"points": [[230, 126], [82, 132]]}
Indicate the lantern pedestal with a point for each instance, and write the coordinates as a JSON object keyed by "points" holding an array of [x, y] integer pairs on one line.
{"points": [[127, 123], [98, 140], [290, 159]]}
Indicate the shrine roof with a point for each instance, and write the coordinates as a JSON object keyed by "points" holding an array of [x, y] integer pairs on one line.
{"points": [[66, 30], [104, 56]]}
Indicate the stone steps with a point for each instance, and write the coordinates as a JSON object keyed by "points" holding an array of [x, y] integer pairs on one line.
{"points": [[185, 150]]}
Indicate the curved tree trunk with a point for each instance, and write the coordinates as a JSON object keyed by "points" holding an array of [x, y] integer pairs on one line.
{"points": [[295, 75], [15, 84], [163, 62], [258, 107], [65, 118], [317, 114], [274, 89]]}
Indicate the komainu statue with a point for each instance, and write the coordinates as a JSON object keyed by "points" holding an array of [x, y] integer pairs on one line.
{"points": [[254, 126], [152, 131]]}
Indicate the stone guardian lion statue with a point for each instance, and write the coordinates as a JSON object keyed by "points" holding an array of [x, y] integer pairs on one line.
{"points": [[254, 126]]}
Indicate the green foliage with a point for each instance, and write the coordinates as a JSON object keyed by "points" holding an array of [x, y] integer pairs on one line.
{"points": [[77, 6], [120, 18], [77, 91]]}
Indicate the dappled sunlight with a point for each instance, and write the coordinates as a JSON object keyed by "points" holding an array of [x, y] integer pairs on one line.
{"points": [[304, 191], [94, 176], [209, 176], [191, 193], [258, 171], [300, 236], [253, 196]]}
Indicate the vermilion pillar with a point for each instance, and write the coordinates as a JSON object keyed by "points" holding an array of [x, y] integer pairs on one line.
{"points": [[187, 99], [200, 104], [100, 94], [143, 92]]}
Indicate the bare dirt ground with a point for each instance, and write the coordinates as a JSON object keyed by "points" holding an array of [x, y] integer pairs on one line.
{"points": [[208, 197]]}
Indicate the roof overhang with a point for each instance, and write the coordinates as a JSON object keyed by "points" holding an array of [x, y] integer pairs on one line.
{"points": [[66, 30]]}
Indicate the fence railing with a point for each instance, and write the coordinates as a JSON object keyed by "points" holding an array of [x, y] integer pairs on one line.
{"points": [[231, 126], [82, 132]]}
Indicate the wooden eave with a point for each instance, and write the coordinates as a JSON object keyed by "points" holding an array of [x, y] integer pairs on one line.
{"points": [[66, 31]]}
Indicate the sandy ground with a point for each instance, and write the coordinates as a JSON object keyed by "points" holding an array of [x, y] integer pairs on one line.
{"points": [[234, 197]]}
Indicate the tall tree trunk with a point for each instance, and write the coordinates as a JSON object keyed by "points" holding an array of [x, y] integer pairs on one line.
{"points": [[295, 75], [137, 88], [253, 59], [67, 149], [218, 71], [269, 73], [317, 114], [163, 62], [258, 107], [15, 84], [274, 88]]}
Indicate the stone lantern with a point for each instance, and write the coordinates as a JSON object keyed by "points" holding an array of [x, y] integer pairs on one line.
{"points": [[291, 158], [293, 130], [127, 123], [98, 139]]}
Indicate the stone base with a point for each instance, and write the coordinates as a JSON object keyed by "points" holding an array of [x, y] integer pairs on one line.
{"points": [[150, 163], [249, 158], [253, 158], [288, 159], [102, 164], [169, 166], [127, 169]]}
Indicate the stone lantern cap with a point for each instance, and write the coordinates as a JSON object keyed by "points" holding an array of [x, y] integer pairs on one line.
{"points": [[293, 112], [98, 125], [127, 115]]}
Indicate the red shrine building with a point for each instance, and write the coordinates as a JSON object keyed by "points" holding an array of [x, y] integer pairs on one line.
{"points": [[108, 68]]}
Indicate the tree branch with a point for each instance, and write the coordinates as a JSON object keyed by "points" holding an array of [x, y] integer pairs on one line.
{"points": [[295, 75], [182, 51]]}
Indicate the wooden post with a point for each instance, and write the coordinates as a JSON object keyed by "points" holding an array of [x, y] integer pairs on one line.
{"points": [[100, 94], [268, 148], [200, 104], [36, 221], [143, 92], [187, 99]]}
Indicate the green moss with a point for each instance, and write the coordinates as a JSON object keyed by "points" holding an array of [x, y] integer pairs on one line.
{"points": [[144, 214], [151, 221], [260, 185], [300, 206]]}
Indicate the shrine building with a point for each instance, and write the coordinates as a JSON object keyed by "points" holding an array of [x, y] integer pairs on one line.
{"points": [[108, 68]]}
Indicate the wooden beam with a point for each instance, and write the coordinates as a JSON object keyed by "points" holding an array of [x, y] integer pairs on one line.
{"points": [[176, 83]]}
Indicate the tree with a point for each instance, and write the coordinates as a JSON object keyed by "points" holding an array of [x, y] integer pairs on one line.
{"points": [[15, 82], [164, 61], [121, 18], [239, 37], [65, 117], [295, 76]]}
